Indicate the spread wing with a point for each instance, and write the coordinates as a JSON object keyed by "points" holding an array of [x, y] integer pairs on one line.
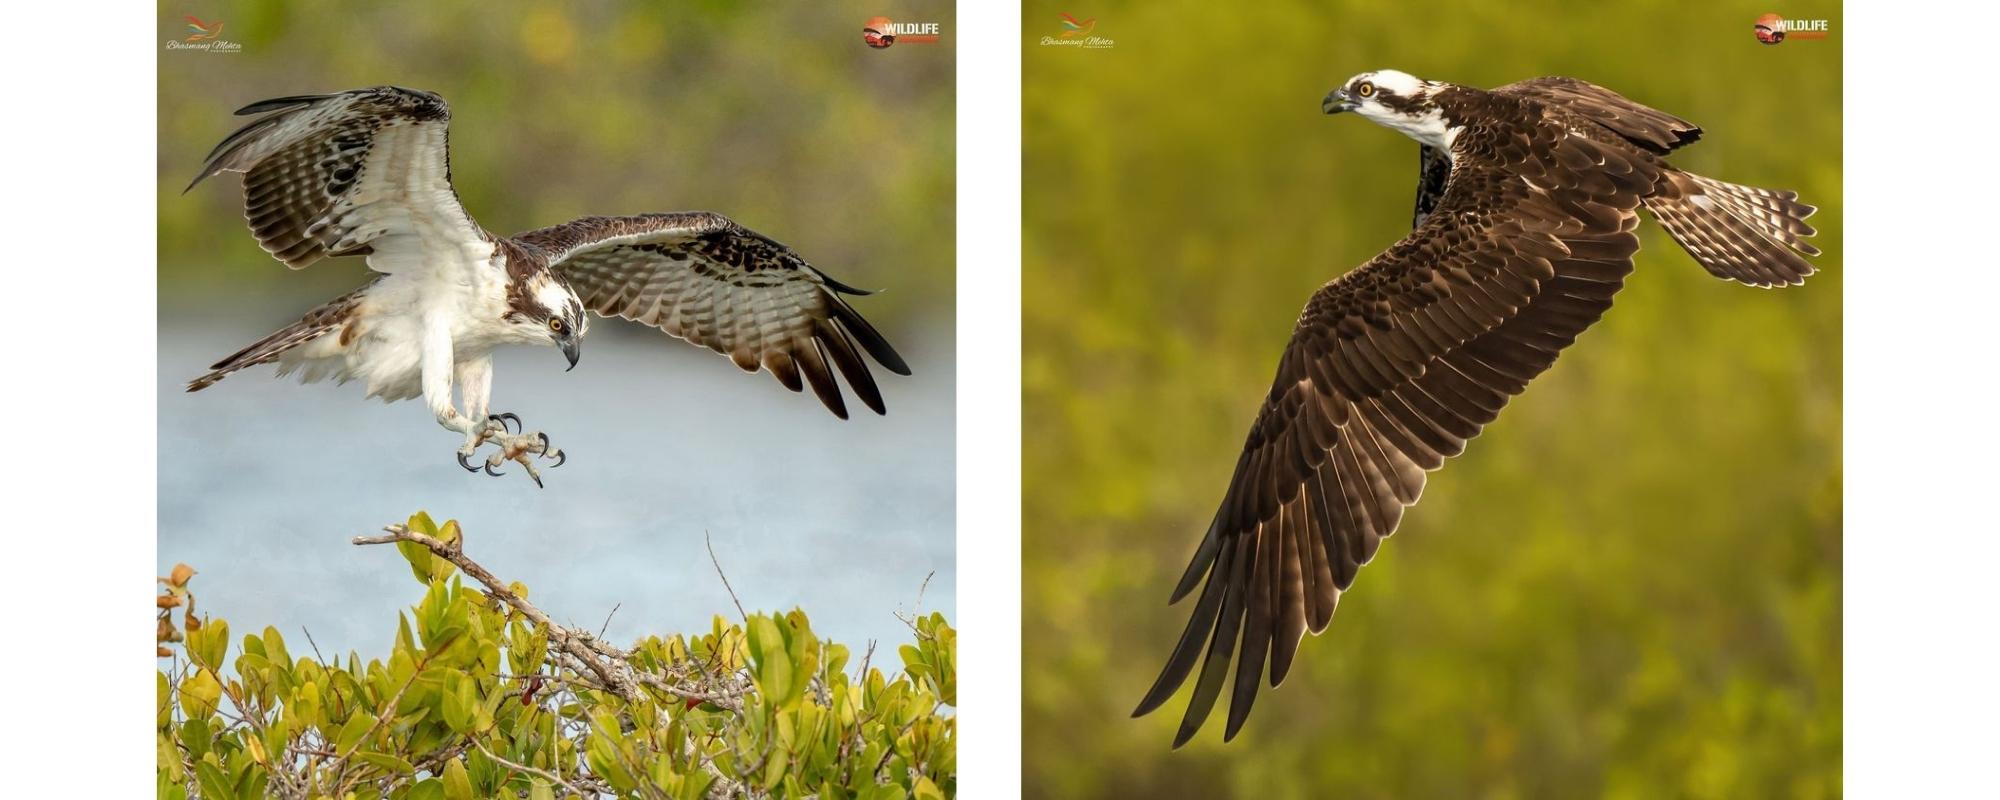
{"points": [[1650, 128], [703, 278], [1391, 369], [364, 172]]}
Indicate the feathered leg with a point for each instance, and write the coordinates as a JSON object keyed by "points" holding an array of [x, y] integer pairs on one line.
{"points": [[474, 381]]}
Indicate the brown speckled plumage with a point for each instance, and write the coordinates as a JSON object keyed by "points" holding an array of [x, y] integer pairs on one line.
{"points": [[335, 315], [703, 278], [1519, 242], [368, 173]]}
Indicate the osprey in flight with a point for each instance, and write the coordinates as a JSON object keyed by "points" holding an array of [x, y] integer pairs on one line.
{"points": [[367, 173], [1528, 197]]}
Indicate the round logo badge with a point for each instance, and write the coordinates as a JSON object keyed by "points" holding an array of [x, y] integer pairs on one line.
{"points": [[877, 33]]}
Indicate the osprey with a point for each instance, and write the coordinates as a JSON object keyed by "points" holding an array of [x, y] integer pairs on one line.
{"points": [[367, 173], [1527, 200]]}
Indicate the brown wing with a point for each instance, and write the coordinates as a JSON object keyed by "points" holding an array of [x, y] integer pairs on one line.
{"points": [[1740, 233], [1390, 370], [703, 278], [1650, 128], [363, 172]]}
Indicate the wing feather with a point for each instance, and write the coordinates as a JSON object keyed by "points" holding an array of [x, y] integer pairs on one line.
{"points": [[363, 172], [1655, 130], [1391, 370], [703, 278]]}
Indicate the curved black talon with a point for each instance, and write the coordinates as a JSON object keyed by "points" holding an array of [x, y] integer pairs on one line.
{"points": [[538, 480], [561, 459], [489, 471], [466, 464], [545, 442], [504, 417]]}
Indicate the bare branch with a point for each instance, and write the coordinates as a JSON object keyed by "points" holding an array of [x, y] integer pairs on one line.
{"points": [[725, 578], [607, 619], [916, 610], [581, 786], [587, 649]]}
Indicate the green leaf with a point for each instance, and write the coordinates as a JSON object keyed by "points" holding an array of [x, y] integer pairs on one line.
{"points": [[602, 756], [306, 705], [274, 648], [197, 737], [419, 557], [884, 792], [386, 761], [200, 693], [772, 664], [251, 782], [214, 784], [420, 522], [459, 703], [540, 790], [426, 789], [209, 644], [165, 703], [457, 786], [774, 769], [352, 733], [694, 785]]}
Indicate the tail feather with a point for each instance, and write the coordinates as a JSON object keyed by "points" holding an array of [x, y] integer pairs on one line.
{"points": [[1740, 233], [1779, 214], [318, 322], [263, 351]]}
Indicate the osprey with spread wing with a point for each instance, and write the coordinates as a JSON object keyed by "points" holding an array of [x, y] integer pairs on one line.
{"points": [[367, 173], [1527, 203]]}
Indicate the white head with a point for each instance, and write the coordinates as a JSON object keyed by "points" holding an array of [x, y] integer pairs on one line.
{"points": [[542, 309], [1396, 100]]}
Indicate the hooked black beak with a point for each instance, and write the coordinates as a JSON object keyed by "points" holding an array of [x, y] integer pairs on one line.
{"points": [[1337, 101], [572, 349]]}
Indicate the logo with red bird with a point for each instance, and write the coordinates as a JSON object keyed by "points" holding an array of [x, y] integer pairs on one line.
{"points": [[1079, 33], [882, 32], [203, 36], [199, 31], [1074, 28], [1774, 29]]}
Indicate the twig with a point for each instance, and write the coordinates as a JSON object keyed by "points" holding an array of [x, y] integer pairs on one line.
{"points": [[607, 619], [917, 610], [581, 786], [339, 764], [587, 649], [725, 578], [315, 645], [322, 660]]}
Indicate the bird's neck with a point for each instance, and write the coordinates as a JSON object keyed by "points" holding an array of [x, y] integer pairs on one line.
{"points": [[1430, 128]]}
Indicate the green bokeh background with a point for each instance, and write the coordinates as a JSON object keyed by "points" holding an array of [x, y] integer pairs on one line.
{"points": [[774, 114], [1630, 586]]}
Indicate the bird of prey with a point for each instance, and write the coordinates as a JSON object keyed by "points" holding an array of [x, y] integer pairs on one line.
{"points": [[1527, 202], [367, 173]]}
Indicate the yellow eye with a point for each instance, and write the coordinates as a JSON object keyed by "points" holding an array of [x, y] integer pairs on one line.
{"points": [[1365, 90], [556, 324]]}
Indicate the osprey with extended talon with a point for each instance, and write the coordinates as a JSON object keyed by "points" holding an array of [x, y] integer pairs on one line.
{"points": [[1528, 197], [366, 173]]}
